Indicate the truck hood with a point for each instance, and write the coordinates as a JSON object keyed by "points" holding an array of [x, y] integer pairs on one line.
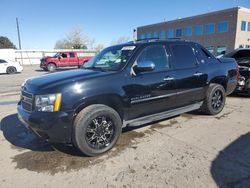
{"points": [[53, 80]]}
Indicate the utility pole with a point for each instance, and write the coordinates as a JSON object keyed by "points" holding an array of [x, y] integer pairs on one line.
{"points": [[19, 39]]}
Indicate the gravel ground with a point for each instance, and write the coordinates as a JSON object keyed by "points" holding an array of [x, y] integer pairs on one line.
{"points": [[190, 150]]}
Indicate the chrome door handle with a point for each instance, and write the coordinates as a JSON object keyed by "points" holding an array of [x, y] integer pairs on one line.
{"points": [[168, 79], [198, 74]]}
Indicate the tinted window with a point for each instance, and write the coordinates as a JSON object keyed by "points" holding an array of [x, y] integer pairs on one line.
{"points": [[199, 30], [71, 54], [223, 26], [162, 35], [243, 25], [170, 33], [183, 55], [142, 36], [155, 35], [148, 35], [210, 28], [248, 26], [155, 54], [178, 32], [188, 31]]}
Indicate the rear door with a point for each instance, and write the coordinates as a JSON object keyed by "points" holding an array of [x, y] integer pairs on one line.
{"points": [[151, 92], [189, 77]]}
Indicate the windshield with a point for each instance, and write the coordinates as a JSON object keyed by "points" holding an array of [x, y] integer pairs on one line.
{"points": [[56, 55], [110, 59]]}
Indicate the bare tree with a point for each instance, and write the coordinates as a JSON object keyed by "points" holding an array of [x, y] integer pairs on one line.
{"points": [[75, 39]]}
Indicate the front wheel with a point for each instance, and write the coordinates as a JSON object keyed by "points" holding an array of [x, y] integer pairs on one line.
{"points": [[215, 100], [96, 129], [51, 67]]}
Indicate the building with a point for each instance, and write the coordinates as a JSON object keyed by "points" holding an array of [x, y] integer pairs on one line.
{"points": [[221, 31]]}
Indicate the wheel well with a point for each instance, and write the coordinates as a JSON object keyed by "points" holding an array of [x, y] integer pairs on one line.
{"points": [[51, 63], [114, 104], [221, 82]]}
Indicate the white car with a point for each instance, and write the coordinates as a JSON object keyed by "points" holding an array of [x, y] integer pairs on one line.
{"points": [[10, 67]]}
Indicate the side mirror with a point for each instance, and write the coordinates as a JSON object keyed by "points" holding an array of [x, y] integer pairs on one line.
{"points": [[144, 66]]}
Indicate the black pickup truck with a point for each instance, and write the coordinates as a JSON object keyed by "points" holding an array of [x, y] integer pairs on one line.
{"points": [[125, 85]]}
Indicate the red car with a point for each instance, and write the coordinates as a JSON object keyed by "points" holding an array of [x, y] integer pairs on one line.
{"points": [[63, 59]]}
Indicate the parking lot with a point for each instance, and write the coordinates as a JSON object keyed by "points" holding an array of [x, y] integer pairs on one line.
{"points": [[191, 150]]}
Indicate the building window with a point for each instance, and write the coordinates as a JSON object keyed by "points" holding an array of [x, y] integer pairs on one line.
{"points": [[178, 32], [221, 50], [188, 31], [148, 35], [223, 26], [170, 33], [155, 35], [199, 30], [142, 36], [243, 25], [241, 46], [247, 46], [248, 26], [210, 49], [210, 28], [162, 35]]}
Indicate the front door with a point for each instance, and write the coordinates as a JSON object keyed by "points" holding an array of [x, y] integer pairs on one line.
{"points": [[63, 60], [151, 92]]}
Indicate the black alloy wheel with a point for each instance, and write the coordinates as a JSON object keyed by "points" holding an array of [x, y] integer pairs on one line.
{"points": [[100, 133]]}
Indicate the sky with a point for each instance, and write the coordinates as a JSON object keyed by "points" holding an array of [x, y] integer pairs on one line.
{"points": [[43, 22]]}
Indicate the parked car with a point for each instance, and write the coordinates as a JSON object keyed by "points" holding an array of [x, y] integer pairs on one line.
{"points": [[125, 85], [242, 56], [63, 59], [10, 67]]}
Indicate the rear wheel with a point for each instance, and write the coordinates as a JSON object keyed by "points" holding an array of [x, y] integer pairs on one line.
{"points": [[11, 70], [215, 100], [51, 67], [96, 129]]}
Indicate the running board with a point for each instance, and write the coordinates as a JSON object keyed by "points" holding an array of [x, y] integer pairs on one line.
{"points": [[161, 116]]}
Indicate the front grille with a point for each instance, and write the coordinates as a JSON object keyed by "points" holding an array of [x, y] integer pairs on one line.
{"points": [[27, 101]]}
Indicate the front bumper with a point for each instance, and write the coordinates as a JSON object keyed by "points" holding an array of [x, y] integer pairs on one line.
{"points": [[53, 126]]}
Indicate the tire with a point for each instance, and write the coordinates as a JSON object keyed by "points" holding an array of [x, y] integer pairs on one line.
{"points": [[215, 100], [11, 70], [96, 129], [51, 67], [45, 69]]}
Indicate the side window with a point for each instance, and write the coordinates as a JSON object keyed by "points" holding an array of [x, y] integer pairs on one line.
{"points": [[64, 55], [71, 55], [157, 55], [184, 56], [2, 61]]}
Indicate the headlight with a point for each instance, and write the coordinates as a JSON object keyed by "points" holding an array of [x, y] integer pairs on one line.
{"points": [[48, 103]]}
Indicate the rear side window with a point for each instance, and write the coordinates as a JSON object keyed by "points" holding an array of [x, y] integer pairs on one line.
{"points": [[183, 55], [71, 54], [157, 55]]}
